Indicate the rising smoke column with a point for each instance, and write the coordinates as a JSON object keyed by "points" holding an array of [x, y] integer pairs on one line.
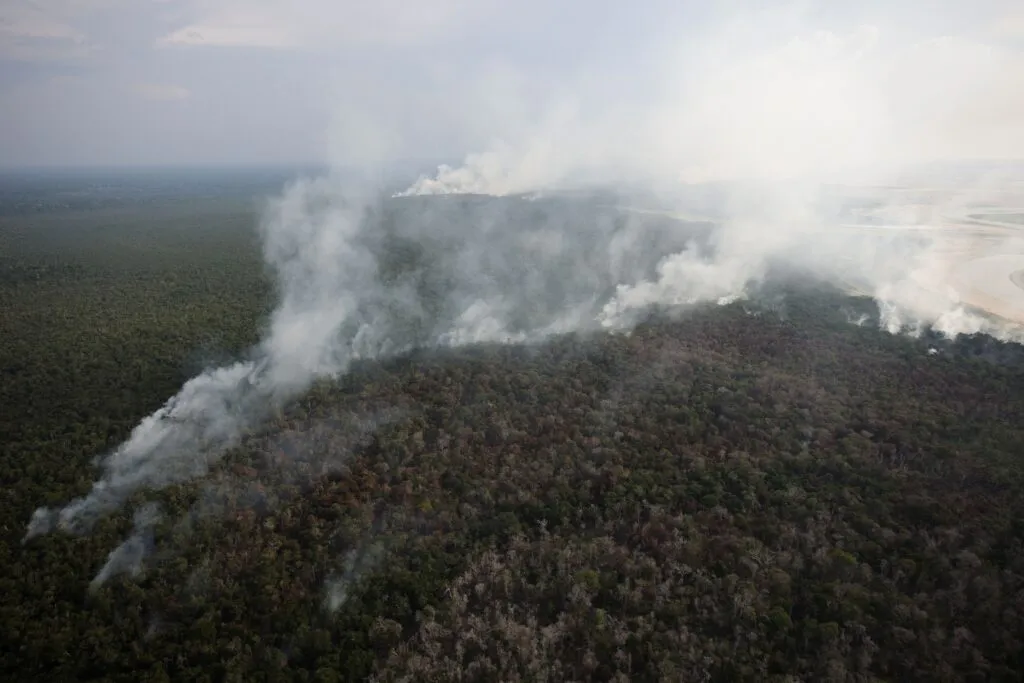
{"points": [[359, 277], [128, 557], [781, 114], [311, 246]]}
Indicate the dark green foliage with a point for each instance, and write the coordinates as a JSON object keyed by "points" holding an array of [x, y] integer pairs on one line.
{"points": [[729, 496]]}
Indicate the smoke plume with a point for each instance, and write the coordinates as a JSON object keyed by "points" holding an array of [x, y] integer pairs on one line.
{"points": [[765, 142], [837, 151], [127, 558]]}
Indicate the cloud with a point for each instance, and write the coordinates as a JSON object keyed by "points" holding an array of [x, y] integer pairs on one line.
{"points": [[25, 20], [49, 31], [29, 32], [322, 24], [441, 78], [241, 29], [162, 91]]}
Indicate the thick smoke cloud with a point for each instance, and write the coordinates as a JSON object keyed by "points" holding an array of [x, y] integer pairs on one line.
{"points": [[763, 95], [794, 123], [755, 143], [363, 276]]}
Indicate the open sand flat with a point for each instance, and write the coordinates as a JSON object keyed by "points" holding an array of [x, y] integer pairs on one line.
{"points": [[992, 283], [975, 237], [971, 239]]}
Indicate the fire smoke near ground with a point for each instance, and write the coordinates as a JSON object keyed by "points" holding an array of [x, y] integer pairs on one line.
{"points": [[362, 275], [793, 120], [365, 277]]}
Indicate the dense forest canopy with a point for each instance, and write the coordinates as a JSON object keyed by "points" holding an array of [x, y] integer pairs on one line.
{"points": [[755, 491]]}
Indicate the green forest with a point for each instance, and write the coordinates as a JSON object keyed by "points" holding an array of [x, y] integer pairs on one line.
{"points": [[750, 492]]}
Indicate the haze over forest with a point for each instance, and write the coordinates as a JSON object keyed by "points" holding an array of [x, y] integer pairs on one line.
{"points": [[479, 340]]}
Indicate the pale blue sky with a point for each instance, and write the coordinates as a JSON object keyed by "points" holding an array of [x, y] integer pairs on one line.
{"points": [[271, 81]]}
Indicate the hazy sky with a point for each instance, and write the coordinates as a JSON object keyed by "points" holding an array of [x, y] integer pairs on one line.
{"points": [[182, 81]]}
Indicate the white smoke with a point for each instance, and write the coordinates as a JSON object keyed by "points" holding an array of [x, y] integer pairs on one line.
{"points": [[174, 444], [319, 268], [361, 276], [127, 558], [783, 121], [784, 113], [356, 563]]}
